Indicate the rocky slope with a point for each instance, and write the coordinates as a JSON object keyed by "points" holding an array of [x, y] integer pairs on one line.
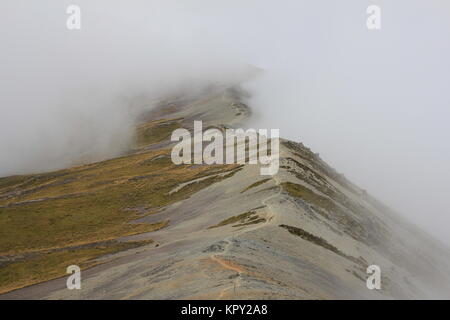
{"points": [[153, 230]]}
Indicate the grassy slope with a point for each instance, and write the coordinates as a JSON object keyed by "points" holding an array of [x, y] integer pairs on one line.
{"points": [[52, 220]]}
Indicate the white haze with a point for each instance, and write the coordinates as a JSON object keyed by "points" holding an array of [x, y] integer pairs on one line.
{"points": [[374, 104]]}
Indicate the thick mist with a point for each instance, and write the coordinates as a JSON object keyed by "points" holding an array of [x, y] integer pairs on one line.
{"points": [[69, 97], [374, 104]]}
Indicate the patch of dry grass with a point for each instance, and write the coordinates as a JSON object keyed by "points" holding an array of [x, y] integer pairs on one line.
{"points": [[254, 185], [50, 265], [155, 131], [42, 216], [244, 219], [299, 191]]}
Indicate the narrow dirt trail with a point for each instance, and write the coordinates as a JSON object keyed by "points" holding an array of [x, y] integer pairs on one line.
{"points": [[274, 215], [230, 265]]}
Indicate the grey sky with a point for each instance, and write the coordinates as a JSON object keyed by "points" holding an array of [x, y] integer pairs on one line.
{"points": [[374, 104]]}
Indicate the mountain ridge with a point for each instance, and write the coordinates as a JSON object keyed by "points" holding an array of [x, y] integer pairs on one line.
{"points": [[216, 232]]}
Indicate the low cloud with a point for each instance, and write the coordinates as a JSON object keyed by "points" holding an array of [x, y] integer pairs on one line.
{"points": [[374, 104]]}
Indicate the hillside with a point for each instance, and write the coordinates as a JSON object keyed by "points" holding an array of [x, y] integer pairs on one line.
{"points": [[143, 228]]}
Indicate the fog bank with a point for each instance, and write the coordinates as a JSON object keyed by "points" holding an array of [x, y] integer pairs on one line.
{"points": [[374, 104]]}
